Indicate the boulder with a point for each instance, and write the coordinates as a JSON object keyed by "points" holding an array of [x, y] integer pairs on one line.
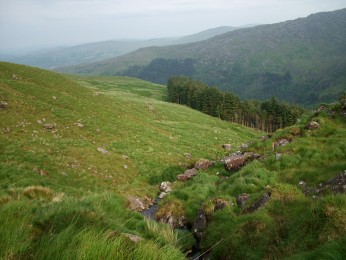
{"points": [[203, 164], [313, 125], [166, 186], [3, 104], [139, 204], [188, 174], [242, 199], [259, 203], [227, 147]]}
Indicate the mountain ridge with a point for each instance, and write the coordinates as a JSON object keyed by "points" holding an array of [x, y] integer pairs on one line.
{"points": [[301, 60]]}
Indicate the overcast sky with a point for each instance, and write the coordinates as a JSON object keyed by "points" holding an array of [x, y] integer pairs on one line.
{"points": [[25, 23]]}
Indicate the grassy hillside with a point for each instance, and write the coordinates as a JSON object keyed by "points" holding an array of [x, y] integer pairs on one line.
{"points": [[71, 151], [302, 60], [304, 214]]}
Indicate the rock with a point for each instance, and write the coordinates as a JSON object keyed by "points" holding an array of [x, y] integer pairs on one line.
{"points": [[79, 125], [188, 155], [188, 174], [259, 203], [321, 109], [139, 204], [302, 183], [162, 195], [335, 185], [133, 238], [200, 224], [235, 162], [49, 126], [221, 204], [14, 77], [245, 146], [174, 222], [227, 147], [166, 186], [3, 104], [278, 156], [102, 150], [125, 157], [203, 164], [126, 166], [313, 125], [242, 199], [281, 142]]}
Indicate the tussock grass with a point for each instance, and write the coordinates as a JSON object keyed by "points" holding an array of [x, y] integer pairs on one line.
{"points": [[38, 192]]}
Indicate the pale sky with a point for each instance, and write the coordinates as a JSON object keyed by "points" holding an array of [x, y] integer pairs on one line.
{"points": [[30, 23]]}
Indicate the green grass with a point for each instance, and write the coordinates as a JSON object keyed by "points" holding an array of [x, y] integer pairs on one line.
{"points": [[59, 196]]}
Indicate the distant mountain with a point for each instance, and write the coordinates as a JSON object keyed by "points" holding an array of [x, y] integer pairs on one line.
{"points": [[91, 52], [302, 60]]}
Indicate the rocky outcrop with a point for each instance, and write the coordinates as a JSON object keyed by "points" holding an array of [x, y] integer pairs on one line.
{"points": [[188, 174], [259, 203], [203, 164], [139, 204], [334, 185]]}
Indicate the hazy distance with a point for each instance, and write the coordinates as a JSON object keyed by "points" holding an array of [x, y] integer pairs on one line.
{"points": [[49, 23]]}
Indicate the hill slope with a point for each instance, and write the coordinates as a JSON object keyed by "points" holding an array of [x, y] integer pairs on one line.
{"points": [[299, 61], [73, 149], [91, 52]]}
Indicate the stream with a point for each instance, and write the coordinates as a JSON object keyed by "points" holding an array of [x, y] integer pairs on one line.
{"points": [[194, 253]]}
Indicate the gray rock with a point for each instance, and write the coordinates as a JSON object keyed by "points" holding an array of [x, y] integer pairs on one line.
{"points": [[227, 147], [139, 204], [203, 164], [259, 203], [282, 142], [278, 156], [166, 186], [313, 125], [242, 199], [49, 126], [133, 238], [188, 174], [3, 104], [102, 150], [79, 125], [162, 195]]}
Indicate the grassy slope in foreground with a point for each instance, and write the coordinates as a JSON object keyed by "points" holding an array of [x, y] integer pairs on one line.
{"points": [[59, 196]]}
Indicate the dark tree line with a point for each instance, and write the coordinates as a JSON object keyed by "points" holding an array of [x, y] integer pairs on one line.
{"points": [[267, 115]]}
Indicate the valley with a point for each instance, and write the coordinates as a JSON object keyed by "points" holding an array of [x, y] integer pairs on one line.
{"points": [[77, 151]]}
